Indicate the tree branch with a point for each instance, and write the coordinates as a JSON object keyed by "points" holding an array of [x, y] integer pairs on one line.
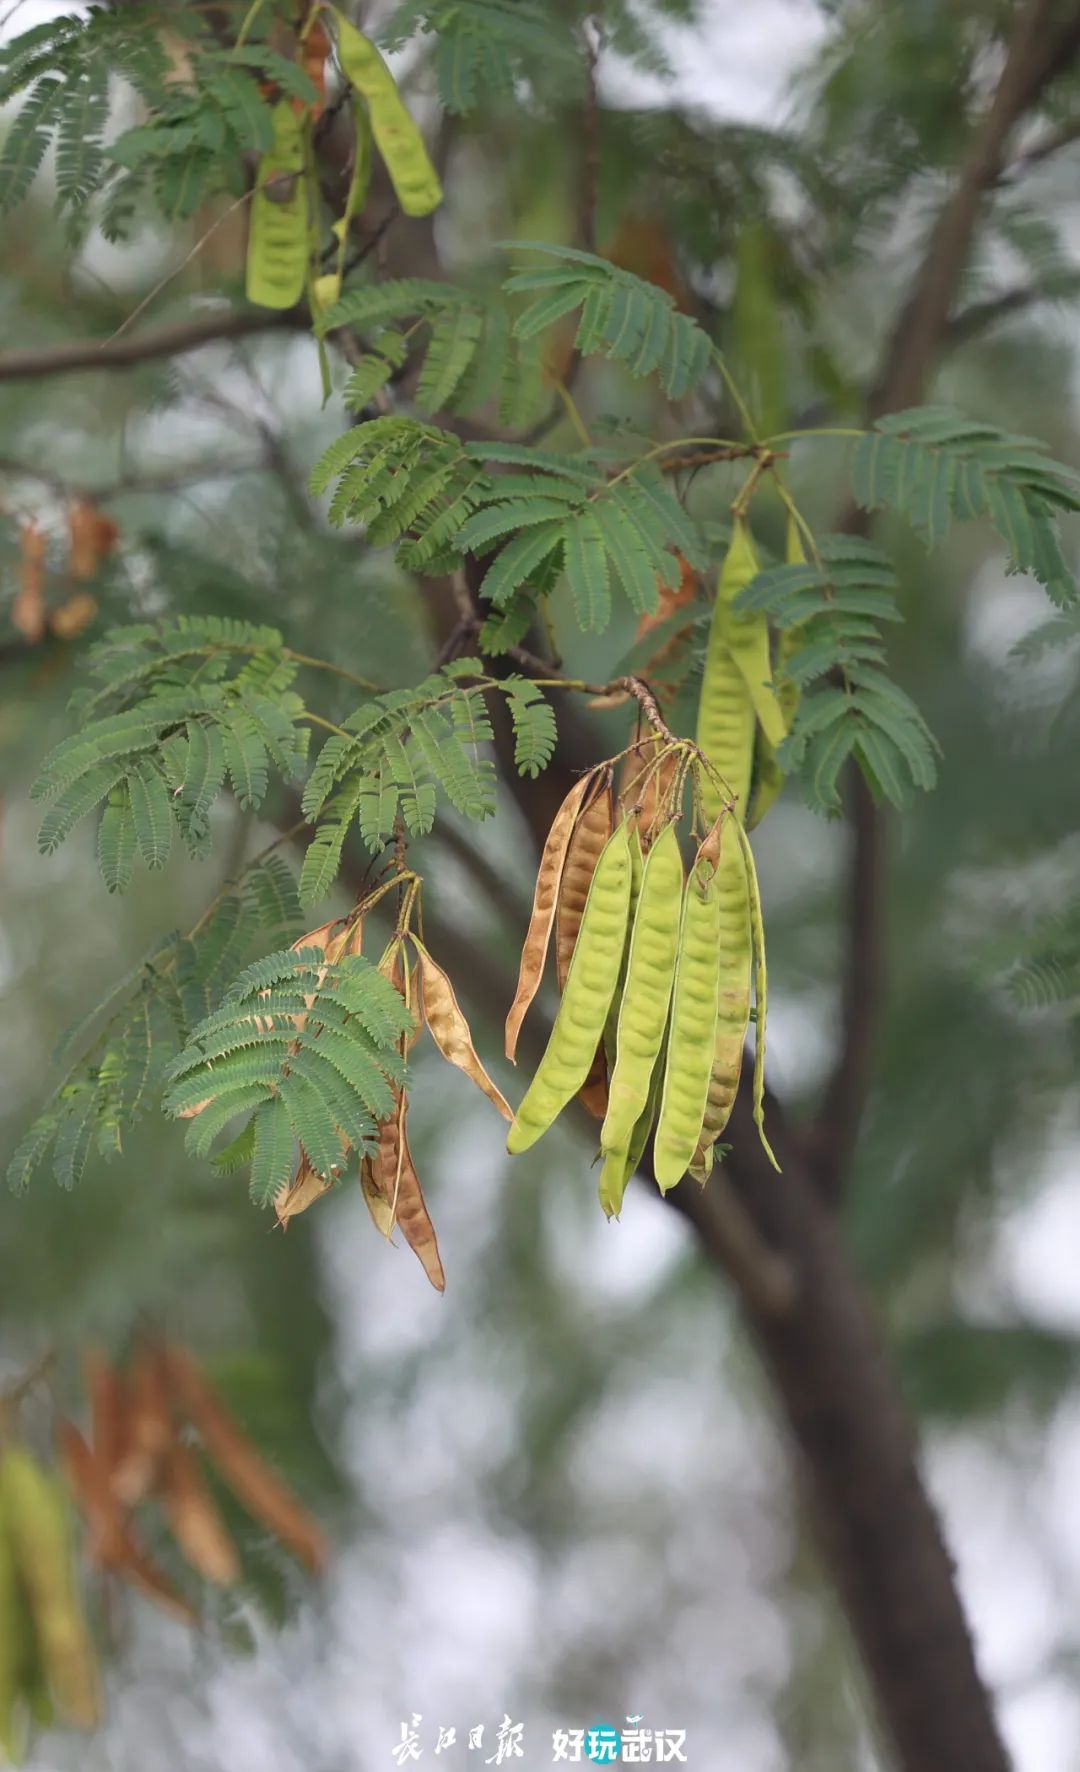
{"points": [[164, 341], [1045, 41], [979, 316]]}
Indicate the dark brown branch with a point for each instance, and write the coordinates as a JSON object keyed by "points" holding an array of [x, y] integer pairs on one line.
{"points": [[979, 316], [1039, 152], [1044, 44], [144, 347]]}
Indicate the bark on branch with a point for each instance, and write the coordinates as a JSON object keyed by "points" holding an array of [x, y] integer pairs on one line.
{"points": [[143, 347]]}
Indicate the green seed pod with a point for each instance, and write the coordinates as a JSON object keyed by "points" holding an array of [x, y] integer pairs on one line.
{"points": [[36, 1513], [590, 986], [736, 689], [768, 776], [733, 1000], [692, 1035], [14, 1636], [619, 1166], [415, 181], [278, 244], [650, 974]]}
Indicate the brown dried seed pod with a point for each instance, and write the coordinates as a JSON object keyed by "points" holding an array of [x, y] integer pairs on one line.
{"points": [[593, 1094], [450, 1030], [394, 1179], [545, 898], [110, 1541], [589, 835], [656, 794], [194, 1517], [241, 1466]]}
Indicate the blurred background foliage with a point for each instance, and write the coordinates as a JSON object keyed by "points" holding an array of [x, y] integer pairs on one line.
{"points": [[560, 1492]]}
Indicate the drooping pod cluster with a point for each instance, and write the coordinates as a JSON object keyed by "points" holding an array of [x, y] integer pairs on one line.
{"points": [[642, 965], [286, 219]]}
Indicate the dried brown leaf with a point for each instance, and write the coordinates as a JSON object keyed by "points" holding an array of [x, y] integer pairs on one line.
{"points": [[395, 1181], [302, 1191], [450, 1030], [242, 1466], [671, 599], [195, 1518], [545, 898], [382, 1216]]}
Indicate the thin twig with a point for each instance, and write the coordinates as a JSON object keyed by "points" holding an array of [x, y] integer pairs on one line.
{"points": [[165, 341]]}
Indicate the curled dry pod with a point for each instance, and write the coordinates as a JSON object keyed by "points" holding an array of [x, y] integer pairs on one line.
{"points": [[278, 245], [590, 987], [110, 1542], [394, 1179], [450, 1030], [241, 1466], [545, 900], [195, 1518], [35, 1511], [415, 181]]}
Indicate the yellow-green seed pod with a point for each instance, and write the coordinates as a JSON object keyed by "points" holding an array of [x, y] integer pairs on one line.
{"points": [[36, 1513], [692, 1034], [650, 973], [620, 1165], [768, 776], [590, 986], [733, 998], [278, 243], [637, 868], [415, 181], [736, 688], [14, 1635]]}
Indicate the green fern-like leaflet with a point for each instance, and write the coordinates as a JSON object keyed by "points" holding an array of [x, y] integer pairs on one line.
{"points": [[398, 752], [931, 465], [179, 711], [118, 1052], [849, 707], [306, 1048]]}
